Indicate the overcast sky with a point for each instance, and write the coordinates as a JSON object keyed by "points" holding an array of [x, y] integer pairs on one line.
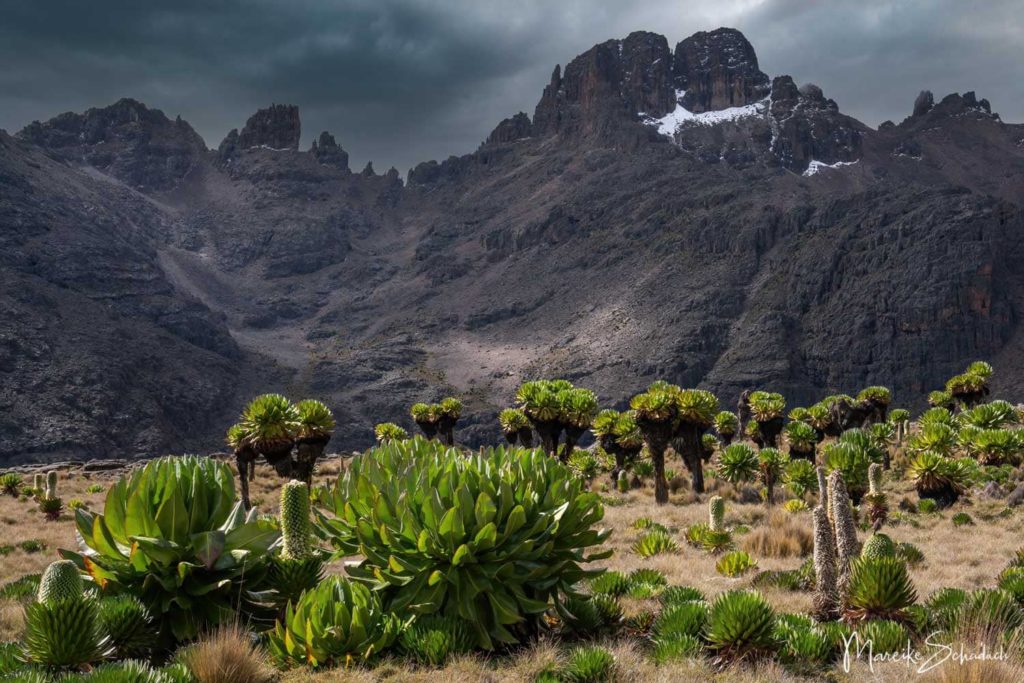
{"points": [[403, 81]]}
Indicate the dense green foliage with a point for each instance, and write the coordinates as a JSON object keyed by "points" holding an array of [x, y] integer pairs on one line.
{"points": [[338, 622], [172, 535], [741, 626], [490, 538]]}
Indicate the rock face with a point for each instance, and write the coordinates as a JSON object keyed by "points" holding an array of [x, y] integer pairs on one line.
{"points": [[510, 130], [327, 152], [276, 127], [718, 70], [127, 140], [617, 238], [924, 103], [808, 127], [604, 91], [610, 83]]}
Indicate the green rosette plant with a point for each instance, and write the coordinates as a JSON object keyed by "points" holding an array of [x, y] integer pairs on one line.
{"points": [[270, 423], [389, 431], [802, 439], [994, 415], [62, 626], [489, 538], [738, 463], [449, 411], [128, 625], [767, 408], [10, 483], [741, 626], [173, 535], [516, 427], [879, 588], [801, 477], [340, 622], [726, 424]]}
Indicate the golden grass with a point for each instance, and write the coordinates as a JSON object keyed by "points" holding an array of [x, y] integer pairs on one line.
{"points": [[784, 535], [228, 655], [967, 557]]}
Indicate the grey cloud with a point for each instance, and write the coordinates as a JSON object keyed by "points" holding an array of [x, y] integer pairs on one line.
{"points": [[401, 81]]}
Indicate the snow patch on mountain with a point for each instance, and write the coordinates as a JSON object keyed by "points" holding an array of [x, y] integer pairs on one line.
{"points": [[816, 166], [673, 121]]}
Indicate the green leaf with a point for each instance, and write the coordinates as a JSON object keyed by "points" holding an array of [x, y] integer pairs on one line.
{"points": [[208, 546], [463, 554], [164, 552]]}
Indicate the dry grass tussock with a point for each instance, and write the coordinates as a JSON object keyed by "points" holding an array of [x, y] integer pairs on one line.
{"points": [[967, 557], [785, 535], [228, 655]]}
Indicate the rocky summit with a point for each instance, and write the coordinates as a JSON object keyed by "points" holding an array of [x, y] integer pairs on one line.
{"points": [[664, 213]]}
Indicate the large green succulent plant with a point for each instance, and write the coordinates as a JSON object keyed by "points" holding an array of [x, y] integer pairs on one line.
{"points": [[933, 436], [489, 538], [516, 426], [128, 625], [995, 446], [875, 394], [852, 455], [879, 588], [992, 415], [339, 622], [172, 534], [741, 625]]}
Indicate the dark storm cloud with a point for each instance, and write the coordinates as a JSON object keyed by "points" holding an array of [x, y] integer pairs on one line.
{"points": [[401, 81]]}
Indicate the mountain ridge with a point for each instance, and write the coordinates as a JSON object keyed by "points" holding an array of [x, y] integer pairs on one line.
{"points": [[582, 243]]}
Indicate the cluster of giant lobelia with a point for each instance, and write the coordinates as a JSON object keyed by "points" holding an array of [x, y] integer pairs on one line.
{"points": [[490, 538], [173, 535]]}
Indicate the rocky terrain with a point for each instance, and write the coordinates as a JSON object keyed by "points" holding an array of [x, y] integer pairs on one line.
{"points": [[664, 213]]}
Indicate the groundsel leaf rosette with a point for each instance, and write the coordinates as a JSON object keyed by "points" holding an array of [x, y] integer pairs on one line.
{"points": [[491, 538]]}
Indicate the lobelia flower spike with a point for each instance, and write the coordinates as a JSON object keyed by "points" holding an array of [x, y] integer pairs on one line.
{"points": [[822, 487], [60, 581], [51, 484], [874, 478], [847, 547], [295, 527], [826, 594], [299, 566], [716, 513], [875, 502]]}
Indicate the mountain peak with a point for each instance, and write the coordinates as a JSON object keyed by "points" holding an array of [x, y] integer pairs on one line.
{"points": [[619, 80], [718, 70], [328, 152], [277, 127], [126, 139]]}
